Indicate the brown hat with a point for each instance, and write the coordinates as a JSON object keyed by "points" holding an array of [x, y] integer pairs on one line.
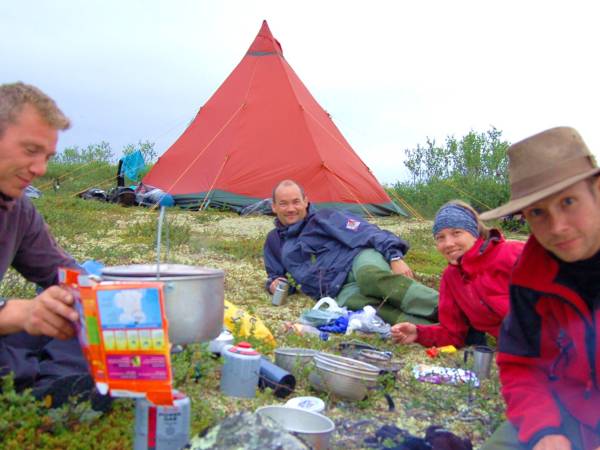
{"points": [[542, 165]]}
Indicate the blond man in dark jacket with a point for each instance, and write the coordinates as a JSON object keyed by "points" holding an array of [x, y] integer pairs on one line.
{"points": [[37, 343]]}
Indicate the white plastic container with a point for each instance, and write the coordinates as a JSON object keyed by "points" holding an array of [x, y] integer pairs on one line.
{"points": [[312, 404], [218, 344]]}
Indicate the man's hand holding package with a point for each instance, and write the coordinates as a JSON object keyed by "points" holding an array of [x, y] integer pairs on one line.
{"points": [[51, 313]]}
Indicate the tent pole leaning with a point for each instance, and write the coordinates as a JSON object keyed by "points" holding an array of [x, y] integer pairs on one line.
{"points": [[187, 169], [404, 203], [63, 176], [472, 197], [101, 183], [87, 173], [213, 183], [347, 148], [344, 185], [217, 134]]}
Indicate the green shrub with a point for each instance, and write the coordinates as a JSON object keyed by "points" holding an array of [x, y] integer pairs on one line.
{"points": [[92, 153], [473, 169], [426, 198], [76, 177]]}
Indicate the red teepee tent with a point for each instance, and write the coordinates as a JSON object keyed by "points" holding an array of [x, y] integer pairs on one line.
{"points": [[260, 127]]}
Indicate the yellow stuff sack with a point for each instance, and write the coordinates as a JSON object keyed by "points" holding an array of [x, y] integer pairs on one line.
{"points": [[239, 321]]}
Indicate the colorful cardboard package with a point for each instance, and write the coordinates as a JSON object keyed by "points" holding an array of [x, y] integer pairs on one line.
{"points": [[123, 332]]}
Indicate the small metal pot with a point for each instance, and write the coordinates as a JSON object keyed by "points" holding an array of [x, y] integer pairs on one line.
{"points": [[194, 297], [294, 359]]}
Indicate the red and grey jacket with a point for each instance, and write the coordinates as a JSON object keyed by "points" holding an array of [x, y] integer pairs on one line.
{"points": [[548, 350], [473, 293]]}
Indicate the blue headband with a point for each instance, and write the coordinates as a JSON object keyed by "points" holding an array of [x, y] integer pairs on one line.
{"points": [[455, 216]]}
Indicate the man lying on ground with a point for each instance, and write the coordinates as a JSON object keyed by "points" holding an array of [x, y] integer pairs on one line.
{"points": [[332, 253]]}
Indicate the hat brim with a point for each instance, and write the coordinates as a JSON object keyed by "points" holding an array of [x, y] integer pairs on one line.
{"points": [[517, 205]]}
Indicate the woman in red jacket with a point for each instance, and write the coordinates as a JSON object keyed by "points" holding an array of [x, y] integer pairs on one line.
{"points": [[474, 286]]}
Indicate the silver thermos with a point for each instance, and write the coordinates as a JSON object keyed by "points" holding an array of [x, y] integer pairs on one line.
{"points": [[162, 427]]}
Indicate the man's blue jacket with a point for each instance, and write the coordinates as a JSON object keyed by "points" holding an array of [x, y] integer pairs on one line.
{"points": [[318, 251]]}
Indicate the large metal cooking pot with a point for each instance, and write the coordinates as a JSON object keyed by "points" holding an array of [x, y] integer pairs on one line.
{"points": [[194, 297]]}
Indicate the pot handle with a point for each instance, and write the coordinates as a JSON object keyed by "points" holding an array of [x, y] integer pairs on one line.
{"points": [[161, 218], [466, 355], [388, 397]]}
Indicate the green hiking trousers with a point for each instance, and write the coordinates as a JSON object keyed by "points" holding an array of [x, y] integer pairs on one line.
{"points": [[397, 298]]}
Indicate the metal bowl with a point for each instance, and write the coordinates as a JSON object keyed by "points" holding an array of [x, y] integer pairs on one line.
{"points": [[293, 359], [374, 356], [343, 385], [383, 360], [313, 428], [346, 363], [369, 375]]}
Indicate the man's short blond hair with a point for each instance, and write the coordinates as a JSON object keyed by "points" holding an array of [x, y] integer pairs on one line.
{"points": [[14, 96]]}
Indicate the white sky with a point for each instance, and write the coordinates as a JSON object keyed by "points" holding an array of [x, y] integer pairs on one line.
{"points": [[391, 73]]}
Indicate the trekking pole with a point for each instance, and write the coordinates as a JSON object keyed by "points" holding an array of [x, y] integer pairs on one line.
{"points": [[381, 304]]}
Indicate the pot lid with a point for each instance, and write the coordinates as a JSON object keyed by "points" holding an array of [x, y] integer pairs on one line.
{"points": [[243, 348], [314, 404], [166, 270]]}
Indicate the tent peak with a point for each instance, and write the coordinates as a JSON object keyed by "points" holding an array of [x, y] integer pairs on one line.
{"points": [[265, 43]]}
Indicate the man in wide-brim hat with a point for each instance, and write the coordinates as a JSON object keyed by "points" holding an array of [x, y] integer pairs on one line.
{"points": [[549, 344]]}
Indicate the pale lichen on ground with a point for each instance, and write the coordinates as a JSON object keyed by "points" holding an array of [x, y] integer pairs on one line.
{"points": [[233, 244]]}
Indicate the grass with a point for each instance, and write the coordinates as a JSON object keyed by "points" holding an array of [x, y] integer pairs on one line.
{"points": [[117, 235]]}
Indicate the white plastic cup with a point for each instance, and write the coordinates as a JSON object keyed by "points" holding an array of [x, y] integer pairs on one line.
{"points": [[312, 404]]}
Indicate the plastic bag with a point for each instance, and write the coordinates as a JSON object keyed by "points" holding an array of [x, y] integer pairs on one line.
{"points": [[368, 321], [319, 315], [239, 321], [331, 306], [339, 325], [444, 375], [305, 330]]}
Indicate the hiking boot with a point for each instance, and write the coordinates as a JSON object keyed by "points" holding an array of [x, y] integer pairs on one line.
{"points": [[101, 403]]}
